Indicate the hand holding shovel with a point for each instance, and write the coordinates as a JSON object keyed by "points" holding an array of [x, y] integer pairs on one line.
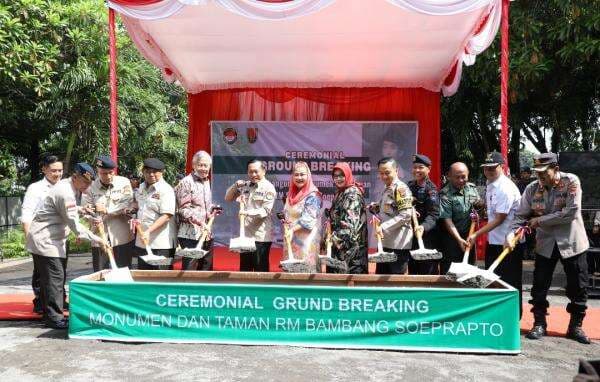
{"points": [[481, 278], [458, 270], [291, 264], [380, 256], [197, 252], [150, 257], [242, 243], [422, 253]]}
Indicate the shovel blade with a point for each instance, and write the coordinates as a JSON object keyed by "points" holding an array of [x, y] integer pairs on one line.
{"points": [[334, 263], [242, 244], [479, 279], [425, 254], [118, 275], [192, 253], [156, 260], [383, 257], [458, 270], [295, 266]]}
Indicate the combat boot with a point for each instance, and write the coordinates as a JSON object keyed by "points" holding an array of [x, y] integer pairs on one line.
{"points": [[575, 331], [539, 326]]}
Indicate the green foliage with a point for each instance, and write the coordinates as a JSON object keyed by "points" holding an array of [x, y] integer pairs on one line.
{"points": [[54, 91], [554, 92], [12, 244]]}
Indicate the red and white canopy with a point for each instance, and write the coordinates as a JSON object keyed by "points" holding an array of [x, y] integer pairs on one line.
{"points": [[221, 44]]}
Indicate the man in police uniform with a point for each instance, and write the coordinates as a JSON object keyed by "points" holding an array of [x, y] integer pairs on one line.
{"points": [[457, 200], [47, 238], [52, 168], [194, 203], [502, 200], [395, 212], [552, 206], [156, 214], [427, 205], [111, 198], [259, 196]]}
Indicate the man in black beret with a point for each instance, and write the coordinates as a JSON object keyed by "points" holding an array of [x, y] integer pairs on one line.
{"points": [[427, 205], [110, 203], [156, 214]]}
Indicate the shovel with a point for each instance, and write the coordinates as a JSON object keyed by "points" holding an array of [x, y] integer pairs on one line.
{"points": [[242, 243], [380, 256], [481, 278], [116, 274], [150, 257], [328, 260], [198, 252], [291, 264], [458, 270], [422, 253]]}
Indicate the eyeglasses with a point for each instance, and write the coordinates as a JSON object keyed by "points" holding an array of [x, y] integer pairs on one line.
{"points": [[339, 176]]}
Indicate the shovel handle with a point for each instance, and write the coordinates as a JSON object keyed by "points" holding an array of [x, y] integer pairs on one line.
{"points": [[206, 230], [506, 251], [288, 242], [107, 248], [468, 249], [142, 234]]}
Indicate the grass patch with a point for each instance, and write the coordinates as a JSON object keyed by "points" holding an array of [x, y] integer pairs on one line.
{"points": [[12, 244]]}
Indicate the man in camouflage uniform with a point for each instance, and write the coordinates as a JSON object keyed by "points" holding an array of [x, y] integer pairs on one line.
{"points": [[259, 197], [427, 205], [457, 200], [395, 212], [552, 206], [111, 198]]}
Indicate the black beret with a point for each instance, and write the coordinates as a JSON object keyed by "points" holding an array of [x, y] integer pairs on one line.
{"points": [[154, 163], [493, 159], [422, 159], [104, 161], [85, 170]]}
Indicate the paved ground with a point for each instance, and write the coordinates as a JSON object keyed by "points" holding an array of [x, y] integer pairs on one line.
{"points": [[30, 352]]}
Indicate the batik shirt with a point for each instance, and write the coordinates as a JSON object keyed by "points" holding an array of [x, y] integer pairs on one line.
{"points": [[349, 227]]}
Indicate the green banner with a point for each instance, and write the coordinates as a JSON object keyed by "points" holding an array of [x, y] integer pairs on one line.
{"points": [[435, 319]]}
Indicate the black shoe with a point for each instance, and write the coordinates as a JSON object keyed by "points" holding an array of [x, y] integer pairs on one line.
{"points": [[62, 324], [576, 333], [37, 307], [537, 332]]}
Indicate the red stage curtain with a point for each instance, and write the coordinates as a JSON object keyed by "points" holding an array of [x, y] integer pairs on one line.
{"points": [[325, 104]]}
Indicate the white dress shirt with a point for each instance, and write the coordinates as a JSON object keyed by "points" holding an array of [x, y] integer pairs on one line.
{"points": [[34, 199], [502, 197]]}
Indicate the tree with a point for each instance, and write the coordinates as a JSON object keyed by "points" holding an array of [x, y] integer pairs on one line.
{"points": [[54, 90], [554, 85]]}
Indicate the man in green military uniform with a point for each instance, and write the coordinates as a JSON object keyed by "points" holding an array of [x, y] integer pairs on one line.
{"points": [[457, 200]]}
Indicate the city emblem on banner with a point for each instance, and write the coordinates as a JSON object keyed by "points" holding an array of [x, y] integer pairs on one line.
{"points": [[230, 135], [252, 133]]}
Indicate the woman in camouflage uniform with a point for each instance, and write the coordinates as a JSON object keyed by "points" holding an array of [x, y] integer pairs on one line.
{"points": [[348, 221]]}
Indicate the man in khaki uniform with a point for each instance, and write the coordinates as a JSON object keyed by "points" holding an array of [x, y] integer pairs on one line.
{"points": [[259, 196], [111, 197], [552, 206], [156, 214], [395, 212], [47, 237]]}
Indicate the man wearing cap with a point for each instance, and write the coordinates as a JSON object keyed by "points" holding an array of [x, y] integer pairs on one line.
{"points": [[194, 203], [47, 238], [258, 195], [502, 200], [552, 206], [156, 214], [458, 199], [395, 211], [111, 198], [52, 168], [427, 205]]}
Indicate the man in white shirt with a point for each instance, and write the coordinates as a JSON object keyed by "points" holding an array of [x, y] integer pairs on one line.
{"points": [[502, 200], [52, 168], [156, 214]]}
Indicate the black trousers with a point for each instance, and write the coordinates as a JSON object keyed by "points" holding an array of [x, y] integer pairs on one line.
{"points": [[425, 267], [35, 284], [203, 264], [452, 253], [356, 259], [123, 254], [169, 253], [577, 280], [398, 267], [257, 261], [52, 271], [510, 269]]}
